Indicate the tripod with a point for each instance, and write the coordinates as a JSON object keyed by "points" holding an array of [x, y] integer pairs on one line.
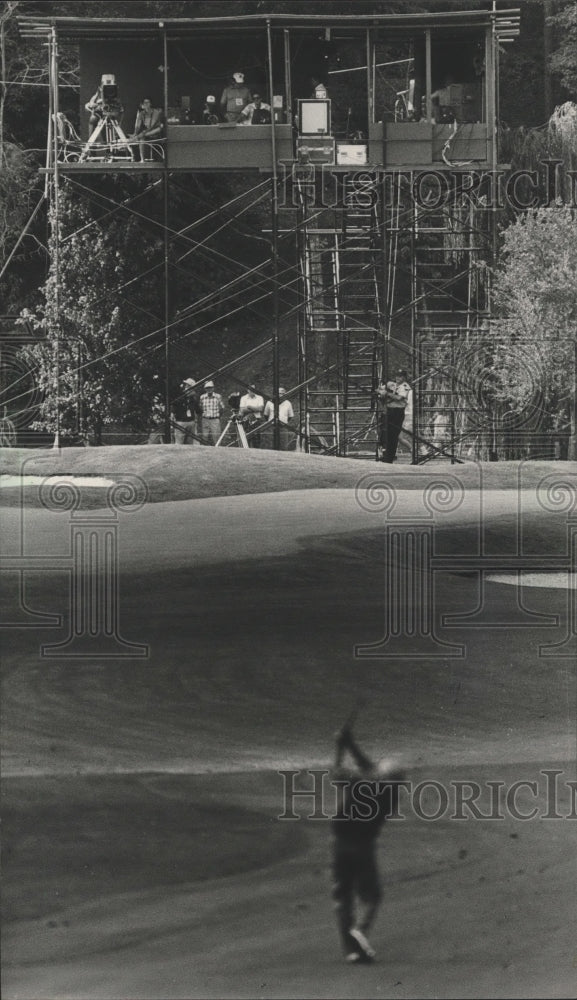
{"points": [[113, 144], [240, 432]]}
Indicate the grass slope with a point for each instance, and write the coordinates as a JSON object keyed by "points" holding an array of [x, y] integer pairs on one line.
{"points": [[175, 473]]}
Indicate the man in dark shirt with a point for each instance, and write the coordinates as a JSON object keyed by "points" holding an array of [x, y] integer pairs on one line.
{"points": [[185, 409], [367, 794], [393, 396]]}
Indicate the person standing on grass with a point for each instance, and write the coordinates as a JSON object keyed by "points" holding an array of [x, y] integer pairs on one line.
{"points": [[286, 415], [212, 409], [251, 411], [368, 794], [185, 409], [157, 420], [393, 396]]}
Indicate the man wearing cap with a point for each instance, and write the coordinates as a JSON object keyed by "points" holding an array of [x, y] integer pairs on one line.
{"points": [[393, 396], [185, 409], [212, 408], [234, 98], [367, 795], [209, 112], [286, 415], [251, 410]]}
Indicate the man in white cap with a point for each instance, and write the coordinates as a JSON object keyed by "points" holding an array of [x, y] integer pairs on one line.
{"points": [[235, 97], [212, 408], [185, 409], [368, 795], [251, 410], [286, 415]]}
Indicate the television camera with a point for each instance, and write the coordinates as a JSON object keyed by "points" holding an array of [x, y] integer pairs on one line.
{"points": [[107, 141], [234, 403], [111, 105]]}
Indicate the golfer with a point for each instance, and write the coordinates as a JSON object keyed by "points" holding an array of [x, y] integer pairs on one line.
{"points": [[367, 794]]}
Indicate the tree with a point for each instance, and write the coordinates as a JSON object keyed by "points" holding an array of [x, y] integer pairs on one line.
{"points": [[96, 363], [535, 326], [18, 169], [563, 61]]}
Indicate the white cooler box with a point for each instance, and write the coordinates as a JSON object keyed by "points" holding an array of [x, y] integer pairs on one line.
{"points": [[353, 156]]}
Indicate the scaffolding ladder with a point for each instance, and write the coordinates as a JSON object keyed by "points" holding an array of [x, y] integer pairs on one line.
{"points": [[341, 335], [450, 311]]}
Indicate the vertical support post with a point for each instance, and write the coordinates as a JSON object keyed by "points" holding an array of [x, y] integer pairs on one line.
{"points": [[415, 361], [496, 70], [387, 299], [49, 180], [55, 213], [370, 77], [415, 346], [572, 452], [428, 76], [490, 92], [167, 400], [490, 66], [490, 70], [79, 391], [302, 327], [274, 250], [374, 74], [165, 76], [287, 76], [454, 394]]}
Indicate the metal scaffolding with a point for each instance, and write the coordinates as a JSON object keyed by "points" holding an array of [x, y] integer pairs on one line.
{"points": [[385, 272]]}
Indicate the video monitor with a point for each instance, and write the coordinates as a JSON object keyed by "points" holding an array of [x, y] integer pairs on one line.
{"points": [[315, 117]]}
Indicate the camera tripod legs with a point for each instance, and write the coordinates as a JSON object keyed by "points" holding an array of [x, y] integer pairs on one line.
{"points": [[112, 145], [240, 433]]}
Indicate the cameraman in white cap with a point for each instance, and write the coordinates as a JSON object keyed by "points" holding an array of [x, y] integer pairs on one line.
{"points": [[235, 97], [251, 410]]}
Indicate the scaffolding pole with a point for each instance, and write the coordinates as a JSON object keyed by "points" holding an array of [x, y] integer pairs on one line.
{"points": [[274, 249], [55, 226]]}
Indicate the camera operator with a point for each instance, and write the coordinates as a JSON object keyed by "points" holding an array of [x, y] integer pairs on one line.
{"points": [[251, 412], [104, 102], [210, 111]]}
